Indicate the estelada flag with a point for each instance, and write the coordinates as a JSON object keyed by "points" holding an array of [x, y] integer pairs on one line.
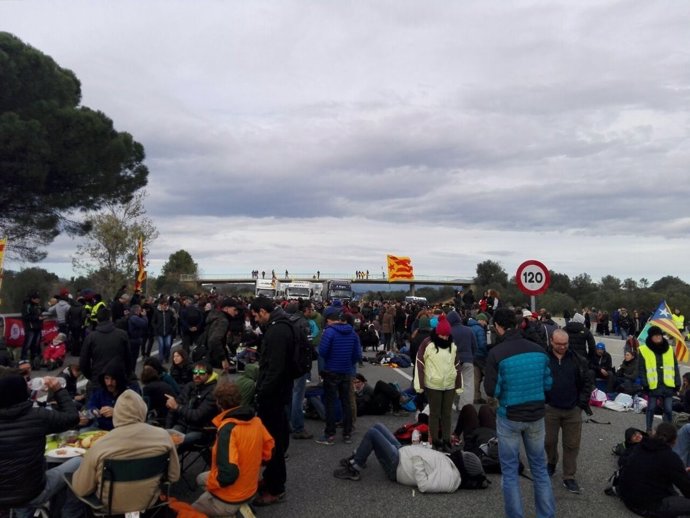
{"points": [[141, 272], [399, 268], [662, 318]]}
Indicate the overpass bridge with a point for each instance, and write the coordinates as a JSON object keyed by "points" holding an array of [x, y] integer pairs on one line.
{"points": [[419, 280]]}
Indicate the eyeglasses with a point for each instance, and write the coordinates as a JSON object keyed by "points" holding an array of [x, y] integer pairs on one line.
{"points": [[199, 373]]}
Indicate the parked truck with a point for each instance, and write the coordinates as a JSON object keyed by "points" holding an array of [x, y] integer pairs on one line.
{"points": [[297, 290], [265, 287], [338, 289]]}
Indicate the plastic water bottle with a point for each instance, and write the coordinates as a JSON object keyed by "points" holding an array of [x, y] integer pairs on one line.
{"points": [[416, 436], [636, 404]]}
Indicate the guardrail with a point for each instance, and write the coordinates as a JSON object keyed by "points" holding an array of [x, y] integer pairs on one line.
{"points": [[206, 277]]}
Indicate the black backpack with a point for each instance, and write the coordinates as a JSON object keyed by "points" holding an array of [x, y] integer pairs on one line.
{"points": [[467, 481], [302, 354]]}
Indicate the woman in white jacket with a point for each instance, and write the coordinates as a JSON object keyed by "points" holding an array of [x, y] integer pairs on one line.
{"points": [[438, 375]]}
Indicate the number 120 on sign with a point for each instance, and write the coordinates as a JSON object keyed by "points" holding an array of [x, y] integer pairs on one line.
{"points": [[532, 277]]}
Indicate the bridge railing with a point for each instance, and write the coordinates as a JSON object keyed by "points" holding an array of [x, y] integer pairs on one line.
{"points": [[210, 277]]}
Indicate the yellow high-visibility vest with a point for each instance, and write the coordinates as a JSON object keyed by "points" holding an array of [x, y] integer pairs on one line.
{"points": [[668, 367], [678, 321]]}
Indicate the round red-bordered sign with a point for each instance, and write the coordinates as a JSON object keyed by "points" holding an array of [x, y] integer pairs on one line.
{"points": [[532, 277]]}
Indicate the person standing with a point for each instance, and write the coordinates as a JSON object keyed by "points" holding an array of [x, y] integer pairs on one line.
{"points": [[32, 317], [163, 327], [273, 393], [302, 311], [568, 396], [105, 343], [478, 326], [660, 377], [580, 337], [518, 375], [339, 352], [438, 375], [466, 342]]}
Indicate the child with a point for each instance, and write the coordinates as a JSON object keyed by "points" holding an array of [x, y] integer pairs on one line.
{"points": [[54, 354]]}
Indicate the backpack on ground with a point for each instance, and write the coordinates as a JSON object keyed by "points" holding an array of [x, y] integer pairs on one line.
{"points": [[302, 354], [467, 481]]}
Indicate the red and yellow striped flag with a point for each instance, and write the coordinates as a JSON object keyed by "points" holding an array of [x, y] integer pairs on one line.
{"points": [[141, 272], [3, 244], [399, 268]]}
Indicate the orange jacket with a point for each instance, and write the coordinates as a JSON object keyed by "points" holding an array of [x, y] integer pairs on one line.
{"points": [[242, 444]]}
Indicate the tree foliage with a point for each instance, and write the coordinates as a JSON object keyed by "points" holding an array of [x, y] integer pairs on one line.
{"points": [[491, 274], [17, 285], [56, 157], [179, 263], [109, 257]]}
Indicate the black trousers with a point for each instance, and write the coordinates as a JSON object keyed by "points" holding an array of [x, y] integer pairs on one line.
{"points": [[274, 417]]}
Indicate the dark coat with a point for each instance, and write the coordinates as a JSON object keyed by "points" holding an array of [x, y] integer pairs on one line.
{"points": [[102, 345], [215, 336], [274, 383], [650, 474], [580, 339], [23, 431], [197, 406]]}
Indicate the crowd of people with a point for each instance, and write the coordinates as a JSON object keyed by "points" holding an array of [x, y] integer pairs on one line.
{"points": [[535, 376]]}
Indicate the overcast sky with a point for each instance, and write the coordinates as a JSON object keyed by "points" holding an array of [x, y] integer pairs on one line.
{"points": [[324, 135]]}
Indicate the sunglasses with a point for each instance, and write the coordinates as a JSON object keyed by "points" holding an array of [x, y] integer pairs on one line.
{"points": [[200, 373]]}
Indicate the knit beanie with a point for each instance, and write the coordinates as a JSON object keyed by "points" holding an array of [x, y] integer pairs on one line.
{"points": [[13, 390], [655, 330], [443, 327]]}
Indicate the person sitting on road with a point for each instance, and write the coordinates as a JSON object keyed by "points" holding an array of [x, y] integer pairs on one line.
{"points": [[627, 378], [131, 438], [181, 368], [376, 400], [163, 374], [246, 382], [417, 466], [601, 364], [241, 446], [112, 383], [155, 391], [195, 407], [646, 482]]}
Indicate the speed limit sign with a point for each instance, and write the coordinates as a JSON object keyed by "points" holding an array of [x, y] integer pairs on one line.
{"points": [[532, 277]]}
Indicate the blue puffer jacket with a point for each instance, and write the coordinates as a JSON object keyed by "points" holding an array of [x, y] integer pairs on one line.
{"points": [[339, 349], [518, 375], [480, 335]]}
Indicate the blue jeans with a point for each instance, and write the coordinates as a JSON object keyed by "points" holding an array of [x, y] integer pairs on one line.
{"points": [[32, 344], [385, 446], [624, 334], [164, 345], [337, 385], [682, 446], [72, 508], [651, 406], [510, 434], [296, 412]]}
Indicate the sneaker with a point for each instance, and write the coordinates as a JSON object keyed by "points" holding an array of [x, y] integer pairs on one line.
{"points": [[266, 498], [328, 440], [551, 469], [347, 473], [347, 439], [302, 435], [347, 461], [571, 486]]}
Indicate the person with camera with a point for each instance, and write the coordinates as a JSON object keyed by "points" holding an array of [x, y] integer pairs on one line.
{"points": [[568, 397]]}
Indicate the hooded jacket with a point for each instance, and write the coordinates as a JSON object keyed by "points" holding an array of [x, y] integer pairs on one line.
{"points": [[429, 470], [463, 338], [649, 475], [101, 396], [23, 431], [480, 336], [246, 382], [340, 349], [102, 345], [241, 446], [129, 418], [580, 338]]}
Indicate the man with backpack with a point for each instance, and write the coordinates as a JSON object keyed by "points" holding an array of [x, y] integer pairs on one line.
{"points": [[298, 311], [273, 392]]}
